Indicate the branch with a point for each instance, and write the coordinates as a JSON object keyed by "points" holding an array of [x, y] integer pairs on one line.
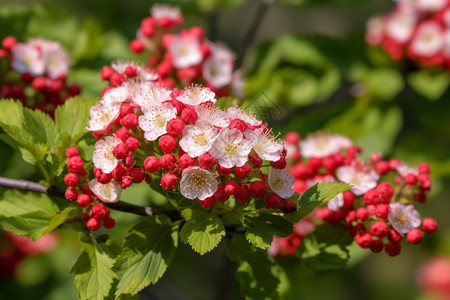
{"points": [[58, 192], [253, 30]]}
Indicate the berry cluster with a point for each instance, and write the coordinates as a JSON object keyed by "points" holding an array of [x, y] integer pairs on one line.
{"points": [[35, 72], [185, 57], [378, 209], [88, 194], [146, 131], [433, 277], [417, 29]]}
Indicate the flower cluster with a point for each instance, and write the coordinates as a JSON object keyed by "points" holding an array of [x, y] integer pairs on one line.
{"points": [[146, 131], [35, 72], [378, 210], [185, 57], [433, 277], [417, 29]]}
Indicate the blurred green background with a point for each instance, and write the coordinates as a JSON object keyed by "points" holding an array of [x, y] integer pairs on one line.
{"points": [[308, 59]]}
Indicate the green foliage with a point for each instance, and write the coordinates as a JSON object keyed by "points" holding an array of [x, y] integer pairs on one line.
{"points": [[326, 248], [430, 83], [262, 229], [202, 231], [146, 253], [93, 270], [316, 196], [383, 83], [257, 273], [29, 214]]}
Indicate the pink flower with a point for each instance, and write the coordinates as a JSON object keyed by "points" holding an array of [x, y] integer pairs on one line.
{"points": [[230, 148], [359, 176], [404, 217]]}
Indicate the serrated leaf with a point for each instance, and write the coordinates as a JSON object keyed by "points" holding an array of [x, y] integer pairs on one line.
{"points": [[27, 214], [146, 253], [262, 229], [316, 196], [326, 248], [258, 275], [72, 117], [202, 231], [93, 271]]}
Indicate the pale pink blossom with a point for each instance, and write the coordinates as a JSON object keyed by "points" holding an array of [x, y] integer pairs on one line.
{"points": [[404, 217], [103, 157], [322, 144], [230, 148], [57, 62], [211, 114], [186, 51], [245, 115], [198, 139], [431, 5], [360, 176], [143, 73], [149, 93], [400, 26], [429, 39], [195, 95], [172, 13], [197, 183], [336, 202], [218, 67], [281, 182], [102, 115], [109, 192], [264, 143], [27, 59], [155, 119], [116, 95], [404, 169]]}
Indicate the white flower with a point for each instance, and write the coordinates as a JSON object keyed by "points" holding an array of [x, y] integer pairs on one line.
{"points": [[103, 157], [143, 74], [400, 26], [281, 182], [159, 11], [264, 144], [115, 95], [197, 183], [403, 217], [207, 112], [336, 202], [218, 67], [151, 94], [430, 5], [198, 139], [230, 148], [155, 119], [322, 145], [429, 39], [359, 176], [404, 170], [186, 51], [56, 59], [195, 95], [27, 59], [102, 115], [247, 116], [109, 192]]}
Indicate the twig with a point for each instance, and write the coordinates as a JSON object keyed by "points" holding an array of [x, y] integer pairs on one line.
{"points": [[253, 30], [58, 192]]}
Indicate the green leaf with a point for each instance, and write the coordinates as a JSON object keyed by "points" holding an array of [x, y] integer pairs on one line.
{"points": [[146, 253], [316, 196], [28, 213], [430, 83], [72, 117], [326, 248], [384, 83], [262, 229], [93, 270], [257, 273], [202, 230]]}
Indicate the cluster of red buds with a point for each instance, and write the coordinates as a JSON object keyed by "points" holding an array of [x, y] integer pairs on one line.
{"points": [[14, 248], [185, 57], [378, 210], [85, 193], [416, 29], [433, 277], [146, 131], [35, 73]]}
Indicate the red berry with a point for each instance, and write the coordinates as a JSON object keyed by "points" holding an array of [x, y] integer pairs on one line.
{"points": [[169, 181], [99, 212], [207, 203], [429, 225], [9, 42], [382, 211], [148, 27], [125, 109], [423, 168], [315, 163], [349, 200], [75, 164], [414, 236], [116, 79], [120, 151], [71, 179], [136, 46], [258, 190], [292, 137], [386, 191], [222, 170], [137, 174], [168, 162], [394, 236], [130, 71], [206, 161], [239, 124], [175, 127], [186, 161], [151, 164], [130, 121], [106, 73], [243, 171], [393, 249], [127, 181], [167, 143], [425, 181], [71, 194], [243, 195], [83, 200], [382, 167], [301, 171], [132, 144], [279, 164], [379, 229], [72, 151], [220, 194], [273, 201], [364, 240], [188, 115], [362, 214], [109, 223], [93, 224], [376, 246], [288, 206], [122, 134], [231, 187], [372, 197], [411, 179], [38, 83]]}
